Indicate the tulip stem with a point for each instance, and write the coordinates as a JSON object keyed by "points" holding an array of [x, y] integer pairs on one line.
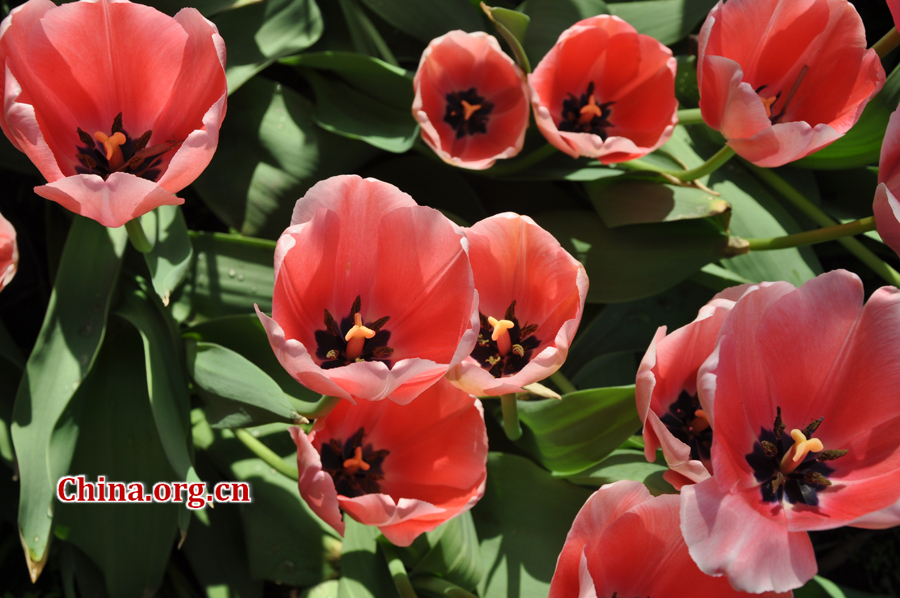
{"points": [[397, 569], [511, 425], [887, 43], [317, 410], [441, 587], [563, 383], [266, 454], [522, 163], [713, 164], [690, 116], [138, 236], [822, 219], [829, 233]]}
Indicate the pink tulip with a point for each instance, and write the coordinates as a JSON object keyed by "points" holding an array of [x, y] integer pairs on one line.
{"points": [[886, 207], [626, 544], [531, 297], [605, 91], [894, 6], [471, 100], [781, 79], [9, 252], [806, 416], [404, 469], [117, 104], [373, 293]]}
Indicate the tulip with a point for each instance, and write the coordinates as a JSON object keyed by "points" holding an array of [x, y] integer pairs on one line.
{"points": [[117, 104], [531, 297], [404, 469], [886, 207], [9, 252], [373, 293], [626, 544], [471, 100], [806, 418], [605, 91], [781, 79]]}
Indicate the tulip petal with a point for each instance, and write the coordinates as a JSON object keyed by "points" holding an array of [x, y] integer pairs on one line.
{"points": [[887, 216], [316, 486], [9, 252], [400, 522]]}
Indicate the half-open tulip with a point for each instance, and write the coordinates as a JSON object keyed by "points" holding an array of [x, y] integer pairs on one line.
{"points": [[117, 104], [9, 252], [405, 469], [886, 205], [471, 100], [626, 544], [605, 91], [806, 416], [373, 293], [531, 295], [781, 79]]}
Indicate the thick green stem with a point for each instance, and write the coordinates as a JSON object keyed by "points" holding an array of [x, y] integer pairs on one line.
{"points": [[520, 164], [138, 237], [713, 164], [831, 233], [511, 425], [887, 43], [822, 219], [690, 116], [562, 382], [397, 569], [266, 454], [441, 587], [316, 410]]}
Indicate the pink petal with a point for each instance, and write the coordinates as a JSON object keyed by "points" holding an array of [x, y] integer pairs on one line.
{"points": [[9, 252], [887, 215], [316, 486], [883, 519], [400, 522]]}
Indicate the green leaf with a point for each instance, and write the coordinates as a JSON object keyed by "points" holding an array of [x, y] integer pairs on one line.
{"points": [[171, 254], [549, 18], [511, 25], [238, 393], [207, 8], [388, 84], [571, 434], [686, 89], [257, 34], [819, 587], [130, 543], [626, 465], [522, 522], [614, 369], [326, 589], [425, 19], [62, 356], [630, 200], [452, 553], [666, 20], [364, 572]]}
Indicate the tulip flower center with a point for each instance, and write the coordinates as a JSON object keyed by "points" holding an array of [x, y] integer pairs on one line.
{"points": [[105, 154], [688, 423], [584, 115], [353, 340], [355, 467], [504, 347], [770, 101], [792, 466], [467, 112]]}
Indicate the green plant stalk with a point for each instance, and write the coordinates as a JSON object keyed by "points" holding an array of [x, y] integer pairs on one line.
{"points": [[316, 410], [713, 164], [522, 163], [397, 569], [831, 233], [562, 382], [441, 587], [887, 43], [511, 425], [235, 238], [815, 213], [138, 237], [266, 454], [690, 116]]}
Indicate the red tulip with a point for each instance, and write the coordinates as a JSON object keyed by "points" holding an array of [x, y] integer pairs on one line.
{"points": [[886, 206], [605, 91], [894, 6], [117, 104], [404, 469], [807, 415], [373, 294], [781, 79], [471, 100], [531, 295], [626, 544], [9, 252]]}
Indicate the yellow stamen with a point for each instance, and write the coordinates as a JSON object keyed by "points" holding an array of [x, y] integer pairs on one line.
{"points": [[356, 463], [356, 337], [111, 146], [500, 335], [802, 447], [590, 110], [767, 103], [700, 423]]}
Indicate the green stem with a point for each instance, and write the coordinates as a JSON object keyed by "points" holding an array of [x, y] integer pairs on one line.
{"points": [[235, 239], [690, 116], [522, 163], [138, 236], [316, 410], [266, 454], [831, 233], [441, 587], [397, 569], [510, 406], [562, 382], [816, 214], [713, 164], [887, 43]]}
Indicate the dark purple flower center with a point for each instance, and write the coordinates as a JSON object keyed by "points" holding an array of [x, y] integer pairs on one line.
{"points": [[511, 350], [687, 422], [467, 112], [103, 154], [355, 467], [352, 340], [584, 115], [770, 101]]}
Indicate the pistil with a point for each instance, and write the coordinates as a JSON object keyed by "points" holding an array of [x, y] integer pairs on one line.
{"points": [[356, 337], [469, 109], [356, 462], [700, 423], [500, 335], [111, 147], [797, 453]]}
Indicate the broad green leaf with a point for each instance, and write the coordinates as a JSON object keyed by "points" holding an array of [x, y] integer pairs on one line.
{"points": [[389, 84], [717, 278], [571, 434], [171, 254], [63, 355], [364, 572], [631, 200], [452, 553], [613, 369], [326, 589], [626, 465], [514, 21], [666, 20], [561, 167], [207, 8], [549, 18], [686, 88], [819, 587], [269, 157], [425, 19], [238, 393], [130, 543], [257, 34], [522, 523], [78, 570]]}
